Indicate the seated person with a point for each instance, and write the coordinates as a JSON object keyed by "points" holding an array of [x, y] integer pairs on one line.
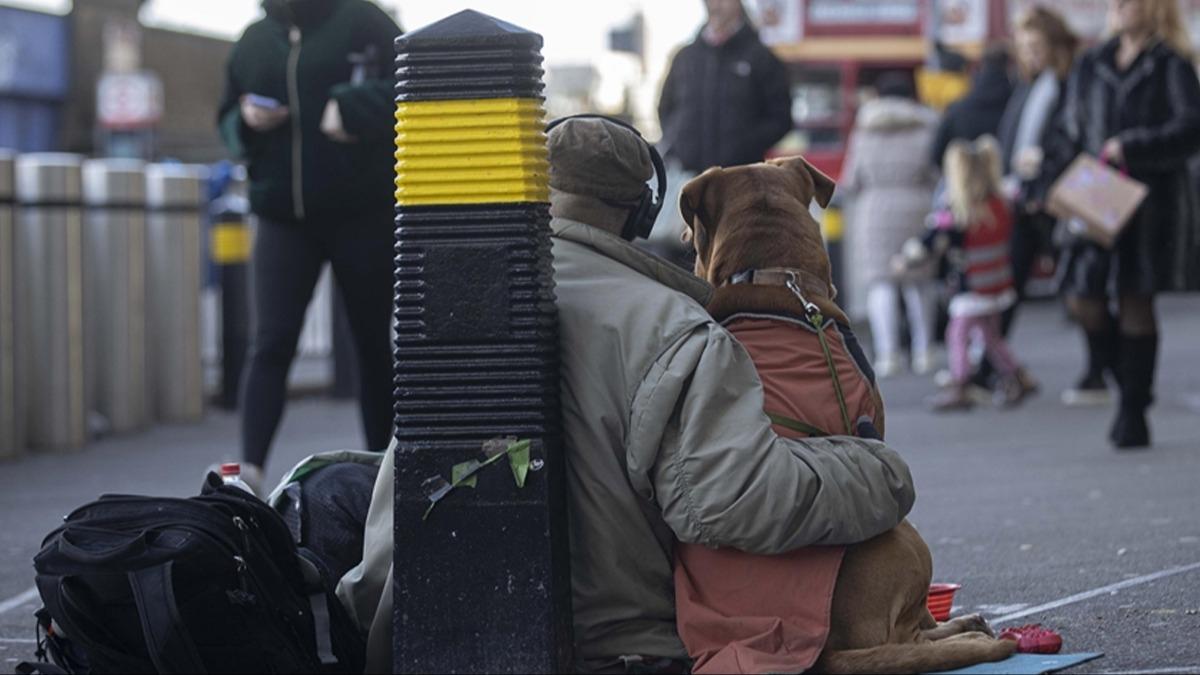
{"points": [[665, 434]]}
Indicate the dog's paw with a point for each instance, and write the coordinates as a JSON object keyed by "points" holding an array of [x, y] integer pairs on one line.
{"points": [[976, 623]]}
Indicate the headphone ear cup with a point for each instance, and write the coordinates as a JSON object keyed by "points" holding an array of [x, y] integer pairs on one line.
{"points": [[636, 223], [651, 216]]}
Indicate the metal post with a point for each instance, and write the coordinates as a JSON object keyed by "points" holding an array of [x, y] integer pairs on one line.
{"points": [[49, 301], [175, 196], [114, 292], [482, 584], [12, 437], [229, 246]]}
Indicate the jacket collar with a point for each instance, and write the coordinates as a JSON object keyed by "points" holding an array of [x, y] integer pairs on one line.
{"points": [[1143, 66], [646, 264], [890, 113]]}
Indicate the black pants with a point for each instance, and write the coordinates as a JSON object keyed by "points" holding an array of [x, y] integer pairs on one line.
{"points": [[1030, 238], [288, 258]]}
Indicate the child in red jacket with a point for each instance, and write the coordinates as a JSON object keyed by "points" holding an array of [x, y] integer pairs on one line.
{"points": [[974, 235]]}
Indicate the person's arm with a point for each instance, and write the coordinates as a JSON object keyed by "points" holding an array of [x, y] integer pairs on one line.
{"points": [[849, 182], [1064, 141], [775, 104], [367, 109], [668, 98], [941, 139], [229, 116], [1170, 145], [702, 448]]}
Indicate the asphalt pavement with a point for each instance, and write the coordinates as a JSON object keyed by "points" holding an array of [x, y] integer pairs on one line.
{"points": [[1029, 509]]}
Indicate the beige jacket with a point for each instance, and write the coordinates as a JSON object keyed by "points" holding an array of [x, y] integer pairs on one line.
{"points": [[666, 439]]}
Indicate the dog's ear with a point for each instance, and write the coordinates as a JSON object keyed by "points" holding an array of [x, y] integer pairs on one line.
{"points": [[822, 185], [691, 206]]}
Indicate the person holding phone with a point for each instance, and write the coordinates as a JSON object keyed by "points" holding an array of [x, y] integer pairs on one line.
{"points": [[308, 106], [1133, 101]]}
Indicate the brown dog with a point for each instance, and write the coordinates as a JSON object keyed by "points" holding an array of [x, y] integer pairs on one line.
{"points": [[757, 218]]}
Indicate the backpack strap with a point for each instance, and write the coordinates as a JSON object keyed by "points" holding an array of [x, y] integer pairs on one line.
{"points": [[318, 601], [38, 668], [167, 639]]}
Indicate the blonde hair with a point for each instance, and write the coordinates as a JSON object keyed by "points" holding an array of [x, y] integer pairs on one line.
{"points": [[1167, 24], [1061, 40], [973, 175]]}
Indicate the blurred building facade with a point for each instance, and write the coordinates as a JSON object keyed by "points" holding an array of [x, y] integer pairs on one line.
{"points": [[34, 79], [160, 103]]}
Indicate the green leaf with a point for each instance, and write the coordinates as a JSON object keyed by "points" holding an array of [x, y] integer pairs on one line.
{"points": [[463, 475], [518, 459]]}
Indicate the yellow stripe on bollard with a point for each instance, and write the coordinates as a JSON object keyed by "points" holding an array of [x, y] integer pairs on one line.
{"points": [[486, 151], [832, 225], [229, 243]]}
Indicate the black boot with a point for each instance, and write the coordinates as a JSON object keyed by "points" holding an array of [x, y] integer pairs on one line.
{"points": [[1091, 389], [1139, 356]]}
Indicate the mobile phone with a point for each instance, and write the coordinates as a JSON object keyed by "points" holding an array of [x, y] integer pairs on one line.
{"points": [[263, 101]]}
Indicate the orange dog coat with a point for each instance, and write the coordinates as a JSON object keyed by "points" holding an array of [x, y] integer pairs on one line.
{"points": [[738, 612]]}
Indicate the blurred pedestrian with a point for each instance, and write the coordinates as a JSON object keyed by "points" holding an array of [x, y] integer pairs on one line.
{"points": [[891, 184], [726, 99], [1133, 101], [979, 112], [973, 235], [308, 104], [1045, 50]]}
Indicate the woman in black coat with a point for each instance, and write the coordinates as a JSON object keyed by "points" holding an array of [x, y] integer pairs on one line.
{"points": [[1135, 102], [1045, 50]]}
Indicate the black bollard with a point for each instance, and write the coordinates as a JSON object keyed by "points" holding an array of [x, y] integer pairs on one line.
{"points": [[230, 244], [481, 575]]}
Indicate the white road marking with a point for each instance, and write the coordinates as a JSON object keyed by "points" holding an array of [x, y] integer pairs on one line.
{"points": [[1177, 670], [19, 641], [1002, 609], [1103, 590], [18, 601]]}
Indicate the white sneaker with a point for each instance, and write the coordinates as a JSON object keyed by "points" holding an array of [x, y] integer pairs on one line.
{"points": [[1090, 391], [888, 366], [924, 362]]}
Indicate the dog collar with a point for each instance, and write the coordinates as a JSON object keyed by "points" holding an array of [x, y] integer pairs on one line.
{"points": [[788, 277]]}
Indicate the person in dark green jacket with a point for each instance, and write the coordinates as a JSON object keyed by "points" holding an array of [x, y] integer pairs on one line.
{"points": [[308, 106]]}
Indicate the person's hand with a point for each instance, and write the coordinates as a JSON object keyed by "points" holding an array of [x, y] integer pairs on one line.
{"points": [[1028, 162], [1113, 152], [262, 119], [331, 123]]}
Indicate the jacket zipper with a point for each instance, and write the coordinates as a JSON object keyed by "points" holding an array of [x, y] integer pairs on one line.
{"points": [[297, 134]]}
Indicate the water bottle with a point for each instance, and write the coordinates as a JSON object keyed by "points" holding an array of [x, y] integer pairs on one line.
{"points": [[231, 474]]}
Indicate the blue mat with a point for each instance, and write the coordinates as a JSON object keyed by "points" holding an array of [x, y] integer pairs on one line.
{"points": [[1026, 664]]}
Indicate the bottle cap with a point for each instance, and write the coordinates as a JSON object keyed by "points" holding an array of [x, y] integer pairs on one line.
{"points": [[231, 469]]}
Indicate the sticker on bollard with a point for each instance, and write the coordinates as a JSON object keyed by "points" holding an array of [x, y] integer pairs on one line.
{"points": [[481, 582]]}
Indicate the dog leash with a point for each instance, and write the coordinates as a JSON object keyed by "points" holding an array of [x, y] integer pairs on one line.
{"points": [[814, 316]]}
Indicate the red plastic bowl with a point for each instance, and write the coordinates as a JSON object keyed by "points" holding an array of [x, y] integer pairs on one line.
{"points": [[941, 599]]}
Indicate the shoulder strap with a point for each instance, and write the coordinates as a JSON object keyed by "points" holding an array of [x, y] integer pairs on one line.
{"points": [[796, 425], [38, 668], [167, 639]]}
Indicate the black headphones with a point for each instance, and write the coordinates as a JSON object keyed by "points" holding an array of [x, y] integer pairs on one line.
{"points": [[643, 214]]}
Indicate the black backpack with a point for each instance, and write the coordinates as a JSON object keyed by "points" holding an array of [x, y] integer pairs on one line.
{"points": [[210, 584]]}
